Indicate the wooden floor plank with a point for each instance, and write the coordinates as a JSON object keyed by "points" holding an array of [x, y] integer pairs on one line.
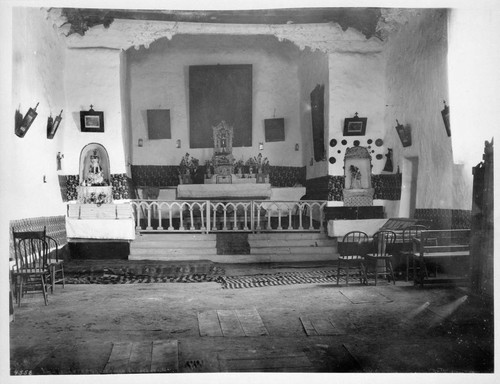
{"points": [[308, 326], [165, 356], [208, 323], [230, 324], [251, 322], [277, 363], [119, 358], [140, 358], [324, 326]]}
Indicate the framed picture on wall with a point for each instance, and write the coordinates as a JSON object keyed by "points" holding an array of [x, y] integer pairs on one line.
{"points": [[91, 121], [355, 126]]}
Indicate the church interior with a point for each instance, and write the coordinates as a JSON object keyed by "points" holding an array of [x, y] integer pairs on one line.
{"points": [[224, 144]]}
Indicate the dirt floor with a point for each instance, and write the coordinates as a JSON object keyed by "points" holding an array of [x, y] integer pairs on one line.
{"points": [[304, 328]]}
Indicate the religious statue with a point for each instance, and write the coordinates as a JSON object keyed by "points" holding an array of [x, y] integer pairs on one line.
{"points": [[355, 177], [358, 189], [94, 174]]}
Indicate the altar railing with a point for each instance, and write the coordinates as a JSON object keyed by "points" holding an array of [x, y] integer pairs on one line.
{"points": [[229, 216]]}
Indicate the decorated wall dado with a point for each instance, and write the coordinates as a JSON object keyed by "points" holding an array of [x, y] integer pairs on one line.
{"points": [[387, 187], [55, 227], [122, 186], [436, 218], [168, 175]]}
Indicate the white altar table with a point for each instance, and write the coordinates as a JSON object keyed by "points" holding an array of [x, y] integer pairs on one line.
{"points": [[100, 223], [224, 191], [100, 229], [338, 228]]}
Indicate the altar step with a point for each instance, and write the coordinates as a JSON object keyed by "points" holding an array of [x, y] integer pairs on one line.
{"points": [[173, 246], [293, 246], [263, 247]]}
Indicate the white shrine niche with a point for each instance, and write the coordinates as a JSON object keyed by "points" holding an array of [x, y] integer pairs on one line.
{"points": [[95, 186], [358, 189]]}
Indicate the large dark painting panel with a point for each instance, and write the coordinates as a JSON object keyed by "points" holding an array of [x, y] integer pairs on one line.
{"points": [[216, 93], [318, 122]]}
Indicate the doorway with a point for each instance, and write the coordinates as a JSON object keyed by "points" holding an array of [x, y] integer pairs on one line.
{"points": [[409, 187]]}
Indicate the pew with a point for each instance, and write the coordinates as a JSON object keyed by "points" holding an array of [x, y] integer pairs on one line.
{"points": [[442, 257]]}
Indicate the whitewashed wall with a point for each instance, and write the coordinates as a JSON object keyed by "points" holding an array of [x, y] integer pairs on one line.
{"points": [[93, 78], [416, 85], [158, 78], [357, 84], [38, 64]]}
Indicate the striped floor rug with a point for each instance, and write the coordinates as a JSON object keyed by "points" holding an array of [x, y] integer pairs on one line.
{"points": [[283, 278], [140, 272]]}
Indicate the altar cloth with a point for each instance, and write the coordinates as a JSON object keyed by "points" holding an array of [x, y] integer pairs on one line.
{"points": [[338, 228], [102, 229], [224, 191]]}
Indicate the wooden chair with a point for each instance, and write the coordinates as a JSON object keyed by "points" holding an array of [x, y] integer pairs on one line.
{"points": [[55, 264], [383, 243], [407, 246], [31, 269], [351, 250]]}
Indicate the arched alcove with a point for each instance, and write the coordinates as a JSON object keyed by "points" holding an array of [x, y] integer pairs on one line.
{"points": [[358, 189], [94, 165]]}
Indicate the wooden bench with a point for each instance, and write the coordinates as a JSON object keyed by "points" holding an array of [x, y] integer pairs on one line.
{"points": [[442, 257]]}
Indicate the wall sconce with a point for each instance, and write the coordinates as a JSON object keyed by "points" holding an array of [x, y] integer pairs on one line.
{"points": [[59, 157], [22, 127], [297, 147], [404, 133], [140, 143], [52, 125], [178, 143], [261, 146], [445, 113]]}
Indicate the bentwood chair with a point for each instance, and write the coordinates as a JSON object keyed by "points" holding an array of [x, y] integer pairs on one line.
{"points": [[55, 263], [407, 246], [380, 259], [351, 251], [31, 270]]}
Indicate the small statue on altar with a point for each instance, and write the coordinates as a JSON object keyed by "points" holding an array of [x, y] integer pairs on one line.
{"points": [[94, 175], [355, 177]]}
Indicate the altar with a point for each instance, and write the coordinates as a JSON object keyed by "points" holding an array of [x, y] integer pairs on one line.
{"points": [[250, 191], [94, 216]]}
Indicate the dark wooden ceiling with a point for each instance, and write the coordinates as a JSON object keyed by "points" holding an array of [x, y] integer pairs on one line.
{"points": [[363, 19]]}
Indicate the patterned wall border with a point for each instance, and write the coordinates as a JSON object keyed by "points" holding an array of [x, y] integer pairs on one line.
{"points": [[55, 227], [121, 184], [387, 187], [437, 218], [167, 175]]}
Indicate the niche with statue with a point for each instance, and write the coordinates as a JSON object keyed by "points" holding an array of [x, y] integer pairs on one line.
{"points": [[95, 186], [358, 189]]}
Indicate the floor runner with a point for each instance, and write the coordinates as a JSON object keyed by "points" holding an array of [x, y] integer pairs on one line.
{"points": [[284, 278], [134, 273]]}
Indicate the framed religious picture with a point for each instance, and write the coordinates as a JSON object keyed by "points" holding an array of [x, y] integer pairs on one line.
{"points": [[355, 126], [91, 121]]}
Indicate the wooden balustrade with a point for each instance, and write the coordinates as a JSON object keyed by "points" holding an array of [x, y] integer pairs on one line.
{"points": [[229, 216]]}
